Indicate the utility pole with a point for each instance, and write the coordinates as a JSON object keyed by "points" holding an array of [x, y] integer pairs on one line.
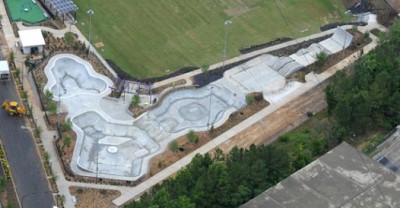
{"points": [[90, 13]]}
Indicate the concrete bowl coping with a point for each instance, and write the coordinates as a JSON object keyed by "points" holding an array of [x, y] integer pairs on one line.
{"points": [[52, 81]]}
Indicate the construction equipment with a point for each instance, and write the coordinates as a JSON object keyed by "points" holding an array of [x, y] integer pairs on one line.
{"points": [[13, 108]]}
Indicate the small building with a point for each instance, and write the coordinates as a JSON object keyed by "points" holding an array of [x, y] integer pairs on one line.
{"points": [[32, 41], [4, 71]]}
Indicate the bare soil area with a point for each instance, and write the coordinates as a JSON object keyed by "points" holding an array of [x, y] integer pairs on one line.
{"points": [[94, 198], [280, 121]]}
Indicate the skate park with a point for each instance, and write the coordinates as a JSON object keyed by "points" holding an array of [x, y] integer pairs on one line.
{"points": [[113, 144]]}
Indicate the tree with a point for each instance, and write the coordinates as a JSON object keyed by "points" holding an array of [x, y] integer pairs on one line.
{"points": [[182, 202]]}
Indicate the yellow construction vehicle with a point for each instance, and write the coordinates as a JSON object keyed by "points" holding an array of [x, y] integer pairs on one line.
{"points": [[13, 108]]}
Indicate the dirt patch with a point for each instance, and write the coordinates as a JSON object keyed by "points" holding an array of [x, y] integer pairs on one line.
{"points": [[94, 198], [281, 121], [185, 147], [231, 12]]}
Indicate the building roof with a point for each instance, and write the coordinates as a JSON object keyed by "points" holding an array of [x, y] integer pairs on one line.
{"points": [[4, 66], [31, 38], [342, 177], [389, 151], [64, 6]]}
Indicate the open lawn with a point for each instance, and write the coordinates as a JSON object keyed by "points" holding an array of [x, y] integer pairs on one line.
{"points": [[148, 37]]}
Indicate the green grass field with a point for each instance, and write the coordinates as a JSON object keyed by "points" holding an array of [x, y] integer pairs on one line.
{"points": [[148, 37]]}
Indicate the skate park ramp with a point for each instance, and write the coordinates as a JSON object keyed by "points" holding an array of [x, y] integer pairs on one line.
{"points": [[257, 75], [307, 56], [340, 40]]}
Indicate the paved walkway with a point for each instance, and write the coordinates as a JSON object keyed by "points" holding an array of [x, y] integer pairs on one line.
{"points": [[127, 193]]}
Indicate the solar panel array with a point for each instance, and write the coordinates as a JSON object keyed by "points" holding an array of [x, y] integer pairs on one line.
{"points": [[64, 6]]}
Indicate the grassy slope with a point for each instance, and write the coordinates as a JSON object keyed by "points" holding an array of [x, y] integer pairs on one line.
{"points": [[148, 37]]}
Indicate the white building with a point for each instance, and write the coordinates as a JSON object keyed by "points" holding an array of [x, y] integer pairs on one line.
{"points": [[4, 70], [32, 41]]}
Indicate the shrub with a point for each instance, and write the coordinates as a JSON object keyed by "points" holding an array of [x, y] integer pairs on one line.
{"points": [[192, 137], [38, 131], [283, 138], [67, 141], [249, 99], [17, 72], [24, 95], [67, 125], [174, 146], [366, 35], [12, 56], [322, 56], [48, 95], [52, 108]]}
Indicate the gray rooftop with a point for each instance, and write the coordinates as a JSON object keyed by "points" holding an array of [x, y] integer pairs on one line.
{"points": [[342, 177]]}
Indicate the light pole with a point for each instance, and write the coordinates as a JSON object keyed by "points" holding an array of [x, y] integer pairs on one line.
{"points": [[209, 109], [226, 23], [90, 13]]}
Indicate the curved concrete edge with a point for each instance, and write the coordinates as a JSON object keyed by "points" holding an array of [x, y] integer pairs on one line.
{"points": [[52, 80], [78, 148]]}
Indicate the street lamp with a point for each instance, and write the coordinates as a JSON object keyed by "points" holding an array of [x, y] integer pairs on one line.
{"points": [[90, 13], [226, 23], [209, 109]]}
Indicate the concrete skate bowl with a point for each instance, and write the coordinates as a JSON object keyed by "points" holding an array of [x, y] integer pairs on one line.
{"points": [[70, 75], [108, 149], [196, 108]]}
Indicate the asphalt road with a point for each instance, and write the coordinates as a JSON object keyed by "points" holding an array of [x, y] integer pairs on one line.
{"points": [[26, 168]]}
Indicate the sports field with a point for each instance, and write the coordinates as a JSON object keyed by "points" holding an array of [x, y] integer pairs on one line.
{"points": [[148, 37]]}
